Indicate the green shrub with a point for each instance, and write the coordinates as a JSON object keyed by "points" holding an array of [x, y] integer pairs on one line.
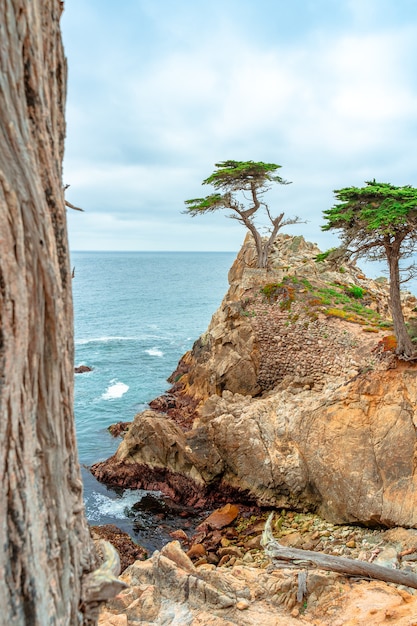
{"points": [[323, 255], [270, 291], [355, 292]]}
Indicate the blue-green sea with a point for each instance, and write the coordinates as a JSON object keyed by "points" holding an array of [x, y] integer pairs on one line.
{"points": [[136, 314]]}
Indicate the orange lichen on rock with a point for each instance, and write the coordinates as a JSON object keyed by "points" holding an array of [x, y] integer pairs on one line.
{"points": [[389, 343]]}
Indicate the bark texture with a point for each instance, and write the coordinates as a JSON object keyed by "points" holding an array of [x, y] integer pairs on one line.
{"points": [[45, 547], [405, 347]]}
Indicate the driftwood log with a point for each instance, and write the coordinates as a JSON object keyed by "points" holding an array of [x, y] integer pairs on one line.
{"points": [[341, 565]]}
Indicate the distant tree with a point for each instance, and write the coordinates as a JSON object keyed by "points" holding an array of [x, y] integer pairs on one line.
{"points": [[244, 177], [379, 221]]}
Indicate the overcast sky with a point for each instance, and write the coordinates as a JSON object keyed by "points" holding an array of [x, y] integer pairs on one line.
{"points": [[161, 90]]}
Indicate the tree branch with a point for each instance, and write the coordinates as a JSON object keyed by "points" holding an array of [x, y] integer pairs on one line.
{"points": [[71, 206]]}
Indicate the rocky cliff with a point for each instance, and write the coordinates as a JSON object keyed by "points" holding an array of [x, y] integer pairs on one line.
{"points": [[292, 398]]}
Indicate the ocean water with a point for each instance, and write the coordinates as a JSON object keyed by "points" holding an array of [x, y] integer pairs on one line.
{"points": [[136, 314]]}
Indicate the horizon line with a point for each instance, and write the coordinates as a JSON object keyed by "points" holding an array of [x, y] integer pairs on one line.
{"points": [[162, 251]]}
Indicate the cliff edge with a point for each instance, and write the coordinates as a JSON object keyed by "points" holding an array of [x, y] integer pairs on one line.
{"points": [[292, 398]]}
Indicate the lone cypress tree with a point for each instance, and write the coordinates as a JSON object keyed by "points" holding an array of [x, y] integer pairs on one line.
{"points": [[232, 178], [379, 221]]}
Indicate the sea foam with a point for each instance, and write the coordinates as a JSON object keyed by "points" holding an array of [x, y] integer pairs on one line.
{"points": [[154, 352], [99, 505], [107, 339], [114, 390]]}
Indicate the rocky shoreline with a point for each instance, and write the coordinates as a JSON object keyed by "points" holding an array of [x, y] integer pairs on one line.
{"points": [[230, 579], [292, 401]]}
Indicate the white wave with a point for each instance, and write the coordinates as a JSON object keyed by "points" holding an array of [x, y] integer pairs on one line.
{"points": [[114, 390], [99, 505], [154, 352], [82, 342], [107, 339]]}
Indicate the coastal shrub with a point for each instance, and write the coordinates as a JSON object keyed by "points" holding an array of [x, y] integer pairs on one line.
{"points": [[355, 292], [307, 284], [385, 324], [315, 301], [341, 314], [284, 291], [412, 328], [270, 291], [362, 311], [319, 258], [331, 295], [287, 297], [293, 279]]}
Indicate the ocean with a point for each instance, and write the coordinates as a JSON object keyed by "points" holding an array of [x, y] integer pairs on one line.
{"points": [[135, 315]]}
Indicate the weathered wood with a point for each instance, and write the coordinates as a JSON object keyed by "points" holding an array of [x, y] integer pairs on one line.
{"points": [[45, 546], [103, 583], [328, 562], [72, 206]]}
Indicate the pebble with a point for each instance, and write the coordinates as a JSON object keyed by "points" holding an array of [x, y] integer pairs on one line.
{"points": [[310, 532], [242, 605]]}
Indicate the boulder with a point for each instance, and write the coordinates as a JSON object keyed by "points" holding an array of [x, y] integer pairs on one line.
{"points": [[82, 369]]}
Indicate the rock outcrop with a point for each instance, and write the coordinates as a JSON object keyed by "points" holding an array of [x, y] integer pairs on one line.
{"points": [[290, 399], [170, 589], [82, 369]]}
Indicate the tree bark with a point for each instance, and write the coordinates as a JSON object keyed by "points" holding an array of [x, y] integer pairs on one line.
{"points": [[405, 346], [45, 546], [262, 247]]}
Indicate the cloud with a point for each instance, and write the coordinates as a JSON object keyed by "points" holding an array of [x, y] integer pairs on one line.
{"points": [[159, 92]]}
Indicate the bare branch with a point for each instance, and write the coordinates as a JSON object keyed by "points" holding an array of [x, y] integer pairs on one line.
{"points": [[293, 220], [411, 273], [71, 206]]}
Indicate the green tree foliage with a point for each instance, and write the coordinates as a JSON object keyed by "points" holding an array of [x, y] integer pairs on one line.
{"points": [[240, 186], [379, 221]]}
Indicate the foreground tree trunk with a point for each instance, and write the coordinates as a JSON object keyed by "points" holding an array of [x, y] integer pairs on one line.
{"points": [[44, 539]]}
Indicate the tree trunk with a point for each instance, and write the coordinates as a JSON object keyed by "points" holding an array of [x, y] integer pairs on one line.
{"points": [[266, 245], [262, 260], [405, 346], [263, 254], [45, 544]]}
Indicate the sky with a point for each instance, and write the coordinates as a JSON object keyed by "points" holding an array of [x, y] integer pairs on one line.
{"points": [[159, 91]]}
